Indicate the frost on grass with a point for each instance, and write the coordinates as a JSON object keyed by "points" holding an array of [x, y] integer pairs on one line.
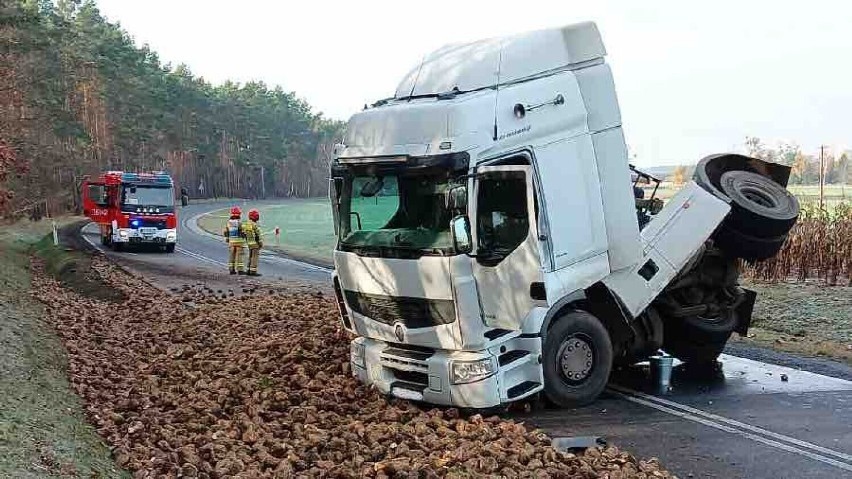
{"points": [[259, 386]]}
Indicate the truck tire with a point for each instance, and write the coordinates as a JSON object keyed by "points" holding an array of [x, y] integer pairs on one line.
{"points": [[759, 206], [750, 248], [576, 360], [697, 339], [170, 248]]}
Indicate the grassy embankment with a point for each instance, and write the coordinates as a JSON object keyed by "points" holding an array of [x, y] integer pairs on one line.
{"points": [[43, 430]]}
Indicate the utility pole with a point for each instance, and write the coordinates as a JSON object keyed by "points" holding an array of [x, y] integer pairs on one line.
{"points": [[821, 173], [262, 183]]}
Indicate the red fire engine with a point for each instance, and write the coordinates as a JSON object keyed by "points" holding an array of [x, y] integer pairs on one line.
{"points": [[132, 208]]}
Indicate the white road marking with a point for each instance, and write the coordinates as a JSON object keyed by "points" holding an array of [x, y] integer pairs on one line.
{"points": [[86, 237], [754, 433], [200, 257], [281, 259]]}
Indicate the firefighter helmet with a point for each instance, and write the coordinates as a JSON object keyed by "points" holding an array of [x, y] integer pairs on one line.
{"points": [[254, 215], [235, 211]]}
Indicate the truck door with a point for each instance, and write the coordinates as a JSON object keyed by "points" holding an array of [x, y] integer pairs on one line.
{"points": [[507, 260], [96, 201]]}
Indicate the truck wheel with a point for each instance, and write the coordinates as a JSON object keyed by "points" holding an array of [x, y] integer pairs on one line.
{"points": [[116, 246], [577, 359], [747, 247], [759, 206], [697, 339], [170, 248]]}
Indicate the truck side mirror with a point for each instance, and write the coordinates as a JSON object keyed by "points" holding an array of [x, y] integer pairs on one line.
{"points": [[457, 198], [460, 229]]}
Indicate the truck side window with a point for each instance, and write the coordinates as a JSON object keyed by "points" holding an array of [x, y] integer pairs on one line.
{"points": [[502, 218], [98, 194]]}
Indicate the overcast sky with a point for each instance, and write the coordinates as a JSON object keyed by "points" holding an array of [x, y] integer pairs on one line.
{"points": [[692, 78]]}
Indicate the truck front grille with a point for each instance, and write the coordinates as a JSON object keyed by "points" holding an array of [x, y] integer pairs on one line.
{"points": [[144, 222], [411, 312]]}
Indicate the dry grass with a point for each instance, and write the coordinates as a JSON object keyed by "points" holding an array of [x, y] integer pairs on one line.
{"points": [[818, 247]]}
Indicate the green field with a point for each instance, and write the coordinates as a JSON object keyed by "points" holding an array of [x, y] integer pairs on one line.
{"points": [[832, 194], [306, 226]]}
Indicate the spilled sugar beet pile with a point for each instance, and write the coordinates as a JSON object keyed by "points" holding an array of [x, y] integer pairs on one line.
{"points": [[258, 386]]}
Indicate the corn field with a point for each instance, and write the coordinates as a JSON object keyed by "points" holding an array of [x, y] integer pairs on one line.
{"points": [[819, 247]]}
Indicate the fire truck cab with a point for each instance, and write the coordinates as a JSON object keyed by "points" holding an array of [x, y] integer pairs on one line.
{"points": [[132, 208]]}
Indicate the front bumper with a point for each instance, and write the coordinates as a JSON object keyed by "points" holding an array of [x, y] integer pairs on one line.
{"points": [[420, 375], [145, 236]]}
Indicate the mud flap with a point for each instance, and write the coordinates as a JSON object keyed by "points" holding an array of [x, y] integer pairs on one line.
{"points": [[744, 310]]}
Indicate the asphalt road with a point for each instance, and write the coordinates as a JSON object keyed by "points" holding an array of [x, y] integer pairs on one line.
{"points": [[746, 419], [200, 255]]}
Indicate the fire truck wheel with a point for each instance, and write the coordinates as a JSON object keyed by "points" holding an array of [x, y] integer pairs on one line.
{"points": [[170, 248], [577, 359], [760, 207], [116, 246]]}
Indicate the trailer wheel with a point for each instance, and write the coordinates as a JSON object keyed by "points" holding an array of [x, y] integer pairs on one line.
{"points": [[759, 206], [577, 359], [750, 248], [698, 339]]}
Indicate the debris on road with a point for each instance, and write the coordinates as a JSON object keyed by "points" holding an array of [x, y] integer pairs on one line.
{"points": [[259, 386], [784, 378]]}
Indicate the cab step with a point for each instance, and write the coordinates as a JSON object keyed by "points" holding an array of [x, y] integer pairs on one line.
{"points": [[522, 389]]}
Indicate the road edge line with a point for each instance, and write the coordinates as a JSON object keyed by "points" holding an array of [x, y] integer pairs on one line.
{"points": [[700, 417]]}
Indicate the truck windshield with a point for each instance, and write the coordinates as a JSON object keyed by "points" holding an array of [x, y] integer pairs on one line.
{"points": [[396, 214], [147, 196]]}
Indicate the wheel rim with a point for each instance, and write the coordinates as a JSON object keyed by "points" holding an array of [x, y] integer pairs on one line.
{"points": [[576, 358]]}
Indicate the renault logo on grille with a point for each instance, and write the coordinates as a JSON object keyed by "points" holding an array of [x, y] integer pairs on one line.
{"points": [[399, 332]]}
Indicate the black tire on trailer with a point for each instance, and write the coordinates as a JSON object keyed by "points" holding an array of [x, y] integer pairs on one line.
{"points": [[760, 207], [750, 248], [698, 339], [576, 359]]}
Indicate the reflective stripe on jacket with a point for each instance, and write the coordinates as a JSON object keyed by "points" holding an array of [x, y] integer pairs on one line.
{"points": [[233, 232], [251, 232]]}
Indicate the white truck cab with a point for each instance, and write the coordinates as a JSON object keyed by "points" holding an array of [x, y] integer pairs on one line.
{"points": [[489, 246]]}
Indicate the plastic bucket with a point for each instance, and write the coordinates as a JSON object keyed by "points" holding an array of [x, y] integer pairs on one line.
{"points": [[661, 371]]}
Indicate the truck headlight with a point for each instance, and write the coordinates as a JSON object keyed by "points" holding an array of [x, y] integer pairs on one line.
{"points": [[356, 354], [122, 233], [462, 372], [171, 236]]}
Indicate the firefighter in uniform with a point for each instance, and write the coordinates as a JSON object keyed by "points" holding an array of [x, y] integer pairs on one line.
{"points": [[254, 240], [236, 241]]}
